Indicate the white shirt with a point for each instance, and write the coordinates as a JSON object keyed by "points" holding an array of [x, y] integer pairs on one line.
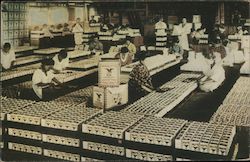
{"points": [[40, 77], [7, 58], [60, 65], [78, 31], [160, 25]]}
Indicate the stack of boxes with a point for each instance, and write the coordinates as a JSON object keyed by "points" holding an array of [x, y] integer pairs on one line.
{"points": [[235, 109], [109, 92], [152, 139], [13, 23], [204, 140], [60, 136], [104, 134]]}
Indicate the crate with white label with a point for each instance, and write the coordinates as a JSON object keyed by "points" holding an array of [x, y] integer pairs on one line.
{"points": [[33, 114], [147, 156], [110, 124], [155, 131], [70, 118], [232, 114], [11, 105], [62, 155], [110, 97], [103, 148], [214, 140], [25, 148]]}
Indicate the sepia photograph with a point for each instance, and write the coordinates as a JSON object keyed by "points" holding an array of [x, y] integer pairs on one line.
{"points": [[125, 80]]}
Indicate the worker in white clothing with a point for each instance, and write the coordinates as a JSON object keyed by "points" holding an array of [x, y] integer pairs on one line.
{"points": [[161, 26], [215, 76], [43, 80], [184, 31], [7, 57], [61, 61], [131, 47], [78, 33]]}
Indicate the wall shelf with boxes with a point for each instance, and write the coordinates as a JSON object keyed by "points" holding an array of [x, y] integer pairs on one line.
{"points": [[14, 26]]}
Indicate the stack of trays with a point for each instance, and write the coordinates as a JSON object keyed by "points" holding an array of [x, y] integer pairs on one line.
{"points": [[238, 115], [78, 97], [158, 104], [105, 35], [61, 137], [84, 64], [15, 73], [235, 109], [24, 126], [104, 134], [152, 139], [199, 140]]}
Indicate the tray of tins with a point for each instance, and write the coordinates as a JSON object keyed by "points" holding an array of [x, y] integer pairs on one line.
{"points": [[238, 115], [90, 159], [154, 130], [161, 39], [34, 113], [25, 148], [183, 77], [147, 156], [60, 140], [203, 41], [67, 76], [84, 64], [111, 124], [104, 33], [77, 97], [61, 155], [70, 118], [11, 105], [105, 38], [78, 53], [103, 148], [206, 138], [157, 104], [47, 51], [237, 98], [34, 135], [161, 44], [15, 74]]}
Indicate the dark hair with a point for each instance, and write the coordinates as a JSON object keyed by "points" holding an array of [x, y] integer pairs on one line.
{"points": [[63, 53], [7, 45], [142, 55], [48, 62], [225, 42], [128, 38], [124, 50]]}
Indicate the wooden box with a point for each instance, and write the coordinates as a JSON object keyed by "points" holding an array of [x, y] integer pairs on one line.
{"points": [[109, 72], [110, 97]]}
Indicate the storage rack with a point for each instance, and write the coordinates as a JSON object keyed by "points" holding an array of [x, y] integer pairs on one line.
{"points": [[14, 27]]}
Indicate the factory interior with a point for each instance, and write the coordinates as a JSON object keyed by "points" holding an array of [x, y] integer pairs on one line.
{"points": [[117, 80]]}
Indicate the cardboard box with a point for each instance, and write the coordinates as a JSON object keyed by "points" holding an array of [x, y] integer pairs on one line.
{"points": [[109, 73], [110, 97]]}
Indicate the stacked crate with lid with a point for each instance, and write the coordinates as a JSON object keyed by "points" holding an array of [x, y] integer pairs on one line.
{"points": [[161, 38], [60, 137], [152, 139], [110, 92], [104, 134]]}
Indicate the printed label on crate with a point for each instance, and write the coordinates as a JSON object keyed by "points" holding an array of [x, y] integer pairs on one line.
{"points": [[109, 73], [98, 97]]}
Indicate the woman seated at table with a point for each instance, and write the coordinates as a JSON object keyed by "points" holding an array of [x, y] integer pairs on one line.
{"points": [[7, 57], [124, 56], [95, 45], [215, 76], [61, 61], [131, 47], [43, 81], [140, 82], [175, 48]]}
